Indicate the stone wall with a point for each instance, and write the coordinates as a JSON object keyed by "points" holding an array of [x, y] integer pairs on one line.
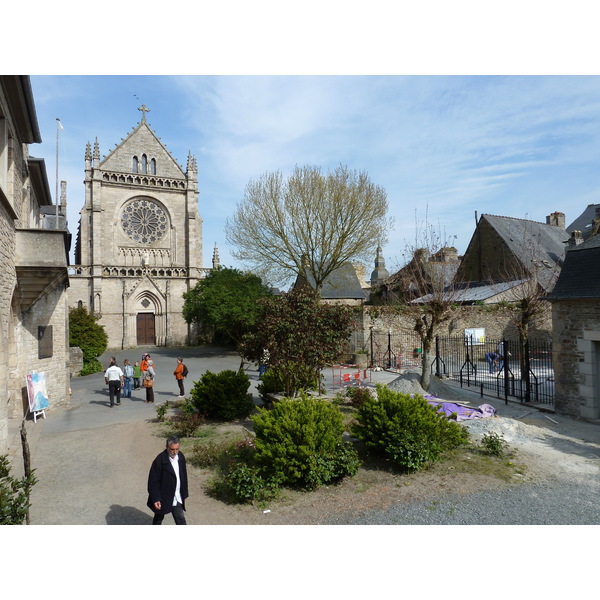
{"points": [[498, 322], [576, 350]]}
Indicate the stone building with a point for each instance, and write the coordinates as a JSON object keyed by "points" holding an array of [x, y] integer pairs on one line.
{"points": [[139, 243], [507, 249], [576, 330], [34, 246]]}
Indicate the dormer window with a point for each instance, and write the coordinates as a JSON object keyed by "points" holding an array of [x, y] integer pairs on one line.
{"points": [[144, 164], [135, 164]]}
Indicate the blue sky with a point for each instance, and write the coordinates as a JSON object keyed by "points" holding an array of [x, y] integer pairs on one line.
{"points": [[443, 147]]}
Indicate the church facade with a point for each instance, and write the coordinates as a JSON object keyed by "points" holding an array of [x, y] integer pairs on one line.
{"points": [[139, 243]]}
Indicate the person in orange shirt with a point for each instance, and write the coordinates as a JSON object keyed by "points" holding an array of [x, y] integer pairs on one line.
{"points": [[178, 372]]}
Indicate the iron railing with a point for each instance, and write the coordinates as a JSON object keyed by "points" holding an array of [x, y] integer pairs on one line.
{"points": [[524, 373]]}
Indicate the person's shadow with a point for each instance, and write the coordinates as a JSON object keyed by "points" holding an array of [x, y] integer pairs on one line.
{"points": [[127, 515]]}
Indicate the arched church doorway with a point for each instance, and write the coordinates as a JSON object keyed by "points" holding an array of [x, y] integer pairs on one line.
{"points": [[146, 329]]}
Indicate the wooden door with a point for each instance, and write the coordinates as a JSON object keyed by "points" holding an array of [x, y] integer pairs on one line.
{"points": [[145, 329]]}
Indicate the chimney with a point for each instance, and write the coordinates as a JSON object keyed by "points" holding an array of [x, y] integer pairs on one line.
{"points": [[576, 238], [557, 219]]}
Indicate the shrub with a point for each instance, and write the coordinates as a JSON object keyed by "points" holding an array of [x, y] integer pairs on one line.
{"points": [[14, 495], [161, 411], [87, 334], [358, 395], [244, 483], [408, 431], [187, 421], [90, 367], [221, 453], [494, 443], [271, 383], [223, 396], [299, 443]]}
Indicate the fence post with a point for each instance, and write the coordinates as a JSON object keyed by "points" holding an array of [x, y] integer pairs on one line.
{"points": [[525, 367], [371, 336], [505, 355], [437, 356]]}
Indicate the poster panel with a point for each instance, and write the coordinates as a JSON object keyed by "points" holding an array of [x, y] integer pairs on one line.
{"points": [[477, 335], [37, 391]]}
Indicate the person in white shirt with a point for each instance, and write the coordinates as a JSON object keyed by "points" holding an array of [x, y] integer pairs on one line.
{"points": [[113, 376], [168, 484]]}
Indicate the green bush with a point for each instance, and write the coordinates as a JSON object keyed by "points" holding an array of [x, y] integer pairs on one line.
{"points": [[244, 483], [299, 443], [14, 495], [494, 443], [90, 367], [358, 395], [222, 396], [87, 334], [406, 430], [270, 383]]}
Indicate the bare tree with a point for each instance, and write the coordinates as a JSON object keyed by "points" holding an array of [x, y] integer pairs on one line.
{"points": [[308, 224], [425, 291], [532, 278]]}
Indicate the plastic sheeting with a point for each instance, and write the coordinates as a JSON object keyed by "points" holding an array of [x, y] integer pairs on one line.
{"points": [[463, 413]]}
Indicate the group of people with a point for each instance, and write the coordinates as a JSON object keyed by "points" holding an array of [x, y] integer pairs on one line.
{"points": [[121, 382]]}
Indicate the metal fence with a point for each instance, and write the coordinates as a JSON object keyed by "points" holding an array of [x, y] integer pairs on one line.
{"points": [[527, 374]]}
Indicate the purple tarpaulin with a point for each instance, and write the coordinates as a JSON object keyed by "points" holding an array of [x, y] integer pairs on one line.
{"points": [[463, 413]]}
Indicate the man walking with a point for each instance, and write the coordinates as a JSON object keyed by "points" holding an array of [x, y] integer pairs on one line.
{"points": [[113, 376], [168, 484]]}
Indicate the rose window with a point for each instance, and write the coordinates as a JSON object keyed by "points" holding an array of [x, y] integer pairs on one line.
{"points": [[144, 221]]}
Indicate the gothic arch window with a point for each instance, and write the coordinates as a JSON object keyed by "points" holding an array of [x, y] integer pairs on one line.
{"points": [[144, 163], [135, 164], [153, 167]]}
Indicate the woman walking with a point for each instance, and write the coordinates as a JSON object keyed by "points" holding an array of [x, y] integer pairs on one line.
{"points": [[149, 382], [179, 375]]}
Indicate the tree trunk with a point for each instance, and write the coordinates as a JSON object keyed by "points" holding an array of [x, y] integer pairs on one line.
{"points": [[426, 361], [26, 460]]}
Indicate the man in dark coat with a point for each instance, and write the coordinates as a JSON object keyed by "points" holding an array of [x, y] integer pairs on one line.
{"points": [[168, 484]]}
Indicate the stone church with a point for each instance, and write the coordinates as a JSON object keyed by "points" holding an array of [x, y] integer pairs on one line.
{"points": [[139, 242]]}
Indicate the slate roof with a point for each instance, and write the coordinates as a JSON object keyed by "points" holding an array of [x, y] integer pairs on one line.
{"points": [[343, 283], [475, 293], [525, 238], [583, 222], [580, 275]]}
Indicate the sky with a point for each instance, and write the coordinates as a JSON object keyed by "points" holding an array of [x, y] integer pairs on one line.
{"points": [[444, 148]]}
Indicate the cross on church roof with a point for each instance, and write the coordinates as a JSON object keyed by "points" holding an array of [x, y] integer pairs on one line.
{"points": [[144, 111]]}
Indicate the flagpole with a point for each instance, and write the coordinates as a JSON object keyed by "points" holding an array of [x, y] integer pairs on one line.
{"points": [[58, 128]]}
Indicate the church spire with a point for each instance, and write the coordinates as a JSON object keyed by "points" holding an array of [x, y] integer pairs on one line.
{"points": [[215, 260], [96, 152], [380, 272]]}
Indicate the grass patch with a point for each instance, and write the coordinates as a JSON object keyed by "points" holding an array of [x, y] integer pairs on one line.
{"points": [[474, 460]]}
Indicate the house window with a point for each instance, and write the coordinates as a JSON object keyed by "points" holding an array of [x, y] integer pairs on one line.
{"points": [[45, 341], [144, 164], [135, 164], [153, 166]]}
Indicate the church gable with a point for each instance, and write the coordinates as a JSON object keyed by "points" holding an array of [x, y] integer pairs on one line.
{"points": [[142, 152]]}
